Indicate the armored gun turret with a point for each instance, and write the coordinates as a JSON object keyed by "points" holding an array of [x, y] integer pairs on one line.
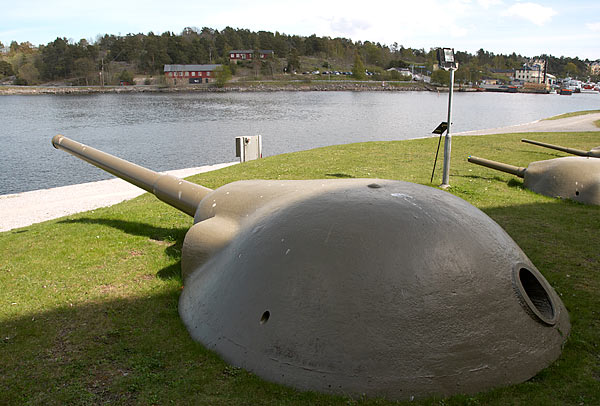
{"points": [[356, 286], [592, 153], [574, 178]]}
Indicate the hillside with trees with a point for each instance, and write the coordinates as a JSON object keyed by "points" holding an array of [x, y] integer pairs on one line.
{"points": [[111, 59]]}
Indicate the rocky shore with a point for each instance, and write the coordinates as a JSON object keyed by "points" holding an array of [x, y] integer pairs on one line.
{"points": [[231, 87]]}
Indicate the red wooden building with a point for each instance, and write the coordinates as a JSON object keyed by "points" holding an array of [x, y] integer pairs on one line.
{"points": [[248, 54], [191, 74]]}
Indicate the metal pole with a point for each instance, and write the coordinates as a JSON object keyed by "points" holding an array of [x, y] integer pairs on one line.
{"points": [[448, 141], [102, 73], [436, 157]]}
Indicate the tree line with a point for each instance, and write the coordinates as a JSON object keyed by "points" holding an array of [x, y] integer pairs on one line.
{"points": [[118, 57]]}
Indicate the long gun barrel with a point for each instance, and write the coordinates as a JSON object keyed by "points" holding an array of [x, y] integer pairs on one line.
{"points": [[179, 193], [499, 166], [594, 153]]}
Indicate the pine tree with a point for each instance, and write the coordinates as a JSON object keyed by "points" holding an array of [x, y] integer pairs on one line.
{"points": [[358, 69]]}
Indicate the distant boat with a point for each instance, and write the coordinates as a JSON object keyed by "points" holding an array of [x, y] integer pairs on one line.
{"points": [[500, 88], [566, 92], [589, 88]]}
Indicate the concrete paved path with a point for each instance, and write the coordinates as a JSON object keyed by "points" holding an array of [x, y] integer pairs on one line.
{"points": [[23, 209], [584, 122]]}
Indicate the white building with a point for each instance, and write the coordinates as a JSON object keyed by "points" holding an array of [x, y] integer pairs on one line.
{"points": [[402, 71], [534, 74], [529, 74]]}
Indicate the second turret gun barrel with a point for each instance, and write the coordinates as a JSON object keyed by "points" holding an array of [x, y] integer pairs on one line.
{"points": [[572, 151], [499, 166], [179, 193]]}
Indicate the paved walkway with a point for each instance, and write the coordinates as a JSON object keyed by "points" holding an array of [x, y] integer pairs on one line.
{"points": [[584, 122], [23, 209]]}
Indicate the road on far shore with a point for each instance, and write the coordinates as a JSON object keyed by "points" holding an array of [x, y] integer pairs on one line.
{"points": [[23, 209]]}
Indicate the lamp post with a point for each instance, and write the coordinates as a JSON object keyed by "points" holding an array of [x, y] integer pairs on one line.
{"points": [[447, 62]]}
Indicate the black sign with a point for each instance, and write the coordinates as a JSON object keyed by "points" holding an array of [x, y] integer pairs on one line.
{"points": [[441, 128]]}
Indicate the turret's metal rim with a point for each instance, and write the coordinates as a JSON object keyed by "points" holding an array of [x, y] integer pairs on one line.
{"points": [[535, 294]]}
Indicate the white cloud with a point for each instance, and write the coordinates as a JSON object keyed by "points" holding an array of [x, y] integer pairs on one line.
{"points": [[535, 13], [463, 24], [486, 4], [349, 26], [458, 31]]}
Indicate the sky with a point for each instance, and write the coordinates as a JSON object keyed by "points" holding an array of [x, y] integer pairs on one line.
{"points": [[529, 28]]}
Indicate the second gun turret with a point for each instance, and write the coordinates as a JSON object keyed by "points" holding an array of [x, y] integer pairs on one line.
{"points": [[574, 178]]}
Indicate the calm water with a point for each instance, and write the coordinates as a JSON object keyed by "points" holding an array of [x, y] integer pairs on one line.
{"points": [[172, 131]]}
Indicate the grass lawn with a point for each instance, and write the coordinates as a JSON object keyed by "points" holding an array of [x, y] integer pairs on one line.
{"points": [[88, 302], [576, 113]]}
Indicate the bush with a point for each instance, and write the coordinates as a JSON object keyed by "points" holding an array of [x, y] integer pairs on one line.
{"points": [[28, 74], [6, 69], [233, 67], [223, 76], [441, 77], [126, 76], [395, 75], [358, 69]]}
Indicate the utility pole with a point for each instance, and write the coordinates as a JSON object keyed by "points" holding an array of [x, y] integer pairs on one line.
{"points": [[448, 140], [102, 72], [447, 62]]}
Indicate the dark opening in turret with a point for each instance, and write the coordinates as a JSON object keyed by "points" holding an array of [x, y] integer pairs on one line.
{"points": [[265, 317], [536, 296]]}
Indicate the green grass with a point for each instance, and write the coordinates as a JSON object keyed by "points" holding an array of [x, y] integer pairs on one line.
{"points": [[88, 303], [576, 113]]}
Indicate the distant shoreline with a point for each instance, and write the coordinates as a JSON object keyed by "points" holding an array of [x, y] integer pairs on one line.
{"points": [[240, 87], [231, 87]]}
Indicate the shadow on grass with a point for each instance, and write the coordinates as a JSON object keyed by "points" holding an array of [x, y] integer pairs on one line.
{"points": [[550, 155], [119, 351], [516, 183], [339, 175], [135, 228], [171, 271], [513, 182], [550, 228], [494, 178], [172, 238]]}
